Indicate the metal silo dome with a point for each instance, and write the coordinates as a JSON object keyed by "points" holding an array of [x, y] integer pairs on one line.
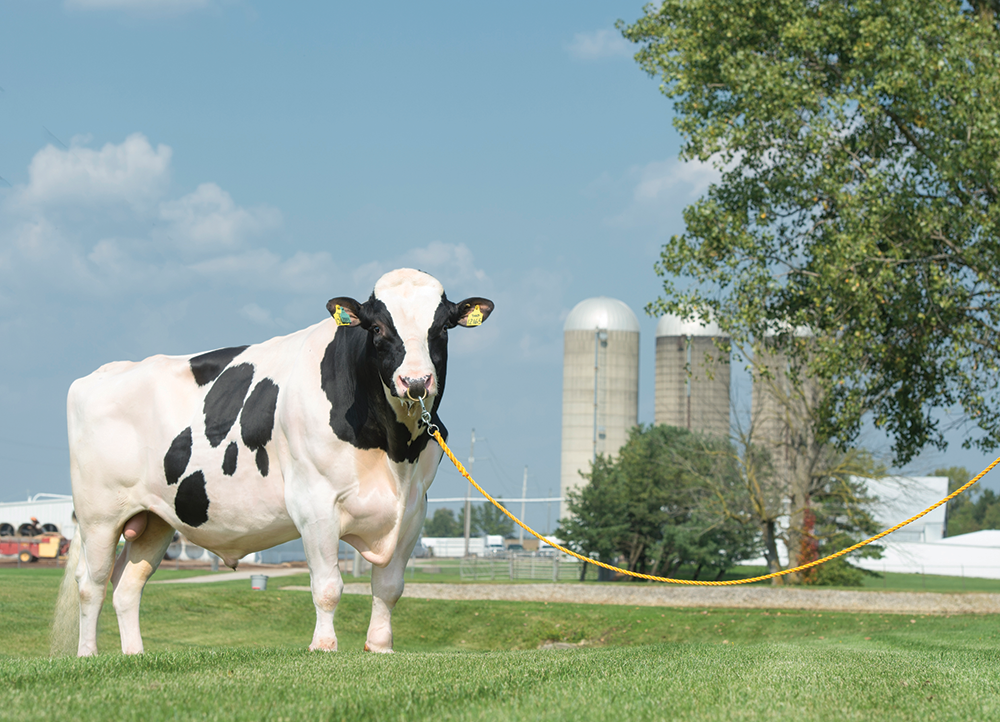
{"points": [[607, 314], [670, 325]]}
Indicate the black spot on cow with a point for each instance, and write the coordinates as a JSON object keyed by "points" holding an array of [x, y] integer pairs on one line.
{"points": [[263, 462], [176, 459], [207, 367], [224, 401], [191, 502], [229, 460], [257, 420]]}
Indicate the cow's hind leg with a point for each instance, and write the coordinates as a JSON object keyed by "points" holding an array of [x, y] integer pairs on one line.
{"points": [[387, 588], [136, 563], [96, 560]]}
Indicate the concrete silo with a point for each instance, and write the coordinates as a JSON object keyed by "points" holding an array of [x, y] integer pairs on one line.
{"points": [[600, 385], [783, 404], [699, 401]]}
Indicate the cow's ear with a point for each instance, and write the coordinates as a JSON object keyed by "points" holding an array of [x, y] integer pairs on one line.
{"points": [[472, 311], [345, 311]]}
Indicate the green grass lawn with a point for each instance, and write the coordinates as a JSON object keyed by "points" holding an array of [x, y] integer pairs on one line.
{"points": [[221, 651]]}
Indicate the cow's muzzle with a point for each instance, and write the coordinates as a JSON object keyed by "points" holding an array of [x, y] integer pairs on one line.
{"points": [[416, 388]]}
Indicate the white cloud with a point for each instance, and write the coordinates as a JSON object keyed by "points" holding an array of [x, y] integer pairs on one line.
{"points": [[258, 315], [657, 191], [101, 223], [172, 7], [450, 263], [39, 252], [263, 269], [208, 218], [133, 173], [599, 44], [662, 179]]}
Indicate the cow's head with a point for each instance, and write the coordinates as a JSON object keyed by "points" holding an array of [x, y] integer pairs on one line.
{"points": [[407, 319]]}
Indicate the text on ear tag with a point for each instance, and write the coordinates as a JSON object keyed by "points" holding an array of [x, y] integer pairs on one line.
{"points": [[340, 316], [475, 317]]}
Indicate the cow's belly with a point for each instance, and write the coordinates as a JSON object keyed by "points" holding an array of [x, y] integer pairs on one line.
{"points": [[233, 515]]}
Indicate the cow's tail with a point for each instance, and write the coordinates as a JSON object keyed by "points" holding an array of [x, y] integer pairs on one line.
{"points": [[66, 624]]}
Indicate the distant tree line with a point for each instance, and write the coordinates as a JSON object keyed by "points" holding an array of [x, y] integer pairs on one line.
{"points": [[486, 519]]}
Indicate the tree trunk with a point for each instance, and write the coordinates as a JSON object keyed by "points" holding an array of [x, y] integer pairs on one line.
{"points": [[635, 553], [771, 551]]}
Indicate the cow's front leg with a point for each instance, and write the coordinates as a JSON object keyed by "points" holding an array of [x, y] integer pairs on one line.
{"points": [[387, 588], [322, 542]]}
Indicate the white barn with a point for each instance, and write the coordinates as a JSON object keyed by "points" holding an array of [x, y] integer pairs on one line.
{"points": [[47, 508]]}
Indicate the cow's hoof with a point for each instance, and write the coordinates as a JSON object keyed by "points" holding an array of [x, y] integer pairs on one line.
{"points": [[323, 645], [380, 650]]}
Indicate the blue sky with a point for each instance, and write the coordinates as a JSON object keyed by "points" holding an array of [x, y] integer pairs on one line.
{"points": [[181, 175]]}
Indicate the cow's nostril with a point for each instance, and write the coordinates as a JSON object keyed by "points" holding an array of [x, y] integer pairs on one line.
{"points": [[416, 388]]}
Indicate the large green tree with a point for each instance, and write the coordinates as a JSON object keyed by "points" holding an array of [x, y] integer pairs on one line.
{"points": [[651, 506], [487, 519], [444, 524], [858, 144]]}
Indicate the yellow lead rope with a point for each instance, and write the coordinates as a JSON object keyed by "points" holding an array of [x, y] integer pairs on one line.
{"points": [[458, 465]]}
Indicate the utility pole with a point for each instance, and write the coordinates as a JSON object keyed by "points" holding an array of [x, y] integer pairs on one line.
{"points": [[524, 494], [468, 493]]}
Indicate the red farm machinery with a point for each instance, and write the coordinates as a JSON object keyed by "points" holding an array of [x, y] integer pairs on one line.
{"points": [[31, 541]]}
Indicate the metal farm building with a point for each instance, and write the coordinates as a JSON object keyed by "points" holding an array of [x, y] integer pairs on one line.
{"points": [[600, 385], [48, 508], [699, 401]]}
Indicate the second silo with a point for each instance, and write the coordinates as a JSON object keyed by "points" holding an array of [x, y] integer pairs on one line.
{"points": [[600, 385], [783, 402], [692, 376]]}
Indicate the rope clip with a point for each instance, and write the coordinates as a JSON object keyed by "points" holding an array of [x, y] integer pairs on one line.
{"points": [[425, 415]]}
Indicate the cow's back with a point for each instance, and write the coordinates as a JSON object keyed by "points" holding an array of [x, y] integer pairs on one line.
{"points": [[119, 415]]}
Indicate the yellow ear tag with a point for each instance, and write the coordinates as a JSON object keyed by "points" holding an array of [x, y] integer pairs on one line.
{"points": [[340, 316], [475, 317]]}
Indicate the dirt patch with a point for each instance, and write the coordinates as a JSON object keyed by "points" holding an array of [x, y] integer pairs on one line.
{"points": [[835, 600], [11, 562]]}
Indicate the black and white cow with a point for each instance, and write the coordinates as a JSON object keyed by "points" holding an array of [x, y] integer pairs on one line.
{"points": [[313, 434]]}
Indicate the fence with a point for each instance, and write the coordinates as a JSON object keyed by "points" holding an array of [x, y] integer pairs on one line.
{"points": [[553, 568]]}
